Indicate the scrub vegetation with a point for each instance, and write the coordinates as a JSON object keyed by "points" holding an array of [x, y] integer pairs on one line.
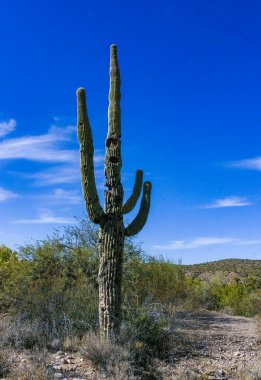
{"points": [[49, 300]]}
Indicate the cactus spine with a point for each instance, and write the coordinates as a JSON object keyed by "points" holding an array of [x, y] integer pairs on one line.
{"points": [[112, 231]]}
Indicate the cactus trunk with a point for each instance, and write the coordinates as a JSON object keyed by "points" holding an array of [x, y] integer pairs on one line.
{"points": [[112, 231], [111, 242]]}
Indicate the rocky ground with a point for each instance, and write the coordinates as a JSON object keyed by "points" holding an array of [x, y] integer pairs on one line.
{"points": [[208, 345], [218, 346]]}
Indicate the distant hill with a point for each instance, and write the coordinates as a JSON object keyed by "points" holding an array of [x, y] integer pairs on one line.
{"points": [[241, 268]]}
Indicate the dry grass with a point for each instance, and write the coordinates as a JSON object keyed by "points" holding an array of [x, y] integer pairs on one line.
{"points": [[258, 328], [19, 334], [72, 343], [5, 363], [30, 372], [111, 359], [35, 367]]}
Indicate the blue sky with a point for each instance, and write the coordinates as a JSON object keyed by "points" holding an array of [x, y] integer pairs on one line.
{"points": [[191, 118]]}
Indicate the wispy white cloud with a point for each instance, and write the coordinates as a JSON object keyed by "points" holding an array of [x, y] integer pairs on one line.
{"points": [[7, 127], [46, 217], [45, 220], [248, 242], [63, 174], [56, 175], [200, 242], [43, 148], [251, 163], [62, 196], [195, 243], [231, 201], [5, 195]]}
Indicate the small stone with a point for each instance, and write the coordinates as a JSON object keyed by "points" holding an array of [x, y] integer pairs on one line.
{"points": [[60, 353], [58, 375], [55, 344]]}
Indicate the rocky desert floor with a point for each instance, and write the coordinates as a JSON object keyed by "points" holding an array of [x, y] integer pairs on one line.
{"points": [[218, 346], [209, 345]]}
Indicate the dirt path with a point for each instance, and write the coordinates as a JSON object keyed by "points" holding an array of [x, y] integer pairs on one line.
{"points": [[217, 346]]}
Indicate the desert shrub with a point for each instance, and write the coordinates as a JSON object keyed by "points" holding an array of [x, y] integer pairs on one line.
{"points": [[110, 358], [242, 297], [21, 333], [35, 368], [254, 301], [204, 294], [131, 357], [147, 335], [220, 293], [164, 282], [52, 283], [11, 270], [5, 364], [258, 328], [148, 280], [147, 330], [32, 372], [198, 294], [64, 298], [144, 337]]}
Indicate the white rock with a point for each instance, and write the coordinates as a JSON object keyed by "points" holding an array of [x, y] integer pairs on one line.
{"points": [[58, 375], [60, 353]]}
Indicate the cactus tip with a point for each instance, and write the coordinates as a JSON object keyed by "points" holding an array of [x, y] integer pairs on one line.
{"points": [[147, 185], [80, 91], [113, 52]]}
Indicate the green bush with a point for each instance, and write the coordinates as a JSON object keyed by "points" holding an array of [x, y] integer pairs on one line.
{"points": [[12, 270], [57, 291], [219, 293], [53, 284], [147, 280]]}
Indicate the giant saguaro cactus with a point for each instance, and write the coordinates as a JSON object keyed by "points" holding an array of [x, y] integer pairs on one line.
{"points": [[112, 231]]}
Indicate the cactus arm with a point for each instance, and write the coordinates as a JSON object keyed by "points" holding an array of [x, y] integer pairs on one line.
{"points": [[93, 207], [138, 223], [131, 202]]}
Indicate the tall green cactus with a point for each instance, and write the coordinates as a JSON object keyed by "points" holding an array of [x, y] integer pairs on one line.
{"points": [[112, 231]]}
